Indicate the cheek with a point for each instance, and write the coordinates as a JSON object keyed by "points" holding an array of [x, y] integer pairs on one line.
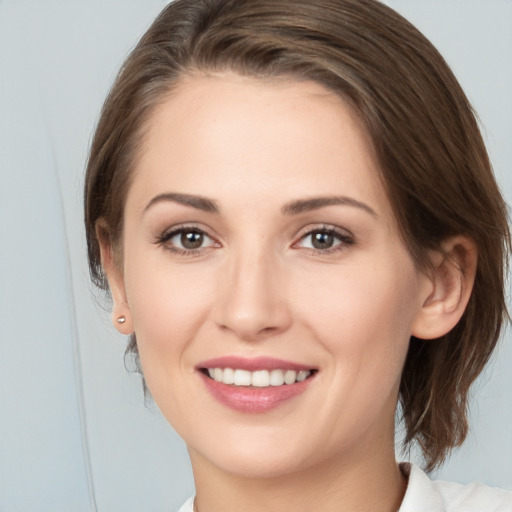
{"points": [[167, 313], [362, 297], [363, 315], [168, 303]]}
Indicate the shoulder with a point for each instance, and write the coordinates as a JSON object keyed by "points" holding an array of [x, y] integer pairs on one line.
{"points": [[425, 495], [188, 506]]}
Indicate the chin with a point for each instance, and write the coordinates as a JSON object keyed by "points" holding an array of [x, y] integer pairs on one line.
{"points": [[253, 459], [264, 466]]}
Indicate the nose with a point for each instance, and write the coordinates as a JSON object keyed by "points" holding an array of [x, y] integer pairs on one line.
{"points": [[252, 301]]}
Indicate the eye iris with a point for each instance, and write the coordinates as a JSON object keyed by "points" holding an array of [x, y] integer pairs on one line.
{"points": [[192, 239], [322, 240]]}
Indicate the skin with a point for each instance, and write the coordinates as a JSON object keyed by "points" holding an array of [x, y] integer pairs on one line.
{"points": [[258, 287]]}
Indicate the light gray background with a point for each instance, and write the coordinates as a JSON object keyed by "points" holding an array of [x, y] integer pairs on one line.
{"points": [[74, 432]]}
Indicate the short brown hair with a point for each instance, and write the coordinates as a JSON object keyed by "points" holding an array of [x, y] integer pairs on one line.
{"points": [[432, 157]]}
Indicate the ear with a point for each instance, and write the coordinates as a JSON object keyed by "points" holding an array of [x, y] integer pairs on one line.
{"points": [[450, 283], [121, 317]]}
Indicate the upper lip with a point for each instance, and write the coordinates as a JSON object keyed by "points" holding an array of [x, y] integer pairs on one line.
{"points": [[252, 364]]}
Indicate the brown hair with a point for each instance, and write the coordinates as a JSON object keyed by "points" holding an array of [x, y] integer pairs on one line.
{"points": [[431, 154]]}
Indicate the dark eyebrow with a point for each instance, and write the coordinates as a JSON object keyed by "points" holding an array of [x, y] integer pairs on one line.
{"points": [[198, 202], [314, 203]]}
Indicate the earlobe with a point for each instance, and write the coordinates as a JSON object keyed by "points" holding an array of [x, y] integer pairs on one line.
{"points": [[450, 282], [121, 317], [123, 322]]}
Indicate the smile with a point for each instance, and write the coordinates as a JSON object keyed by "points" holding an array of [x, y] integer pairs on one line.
{"points": [[259, 378], [255, 385]]}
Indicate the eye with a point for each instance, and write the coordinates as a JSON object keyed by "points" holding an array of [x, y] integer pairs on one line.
{"points": [[325, 239], [186, 240]]}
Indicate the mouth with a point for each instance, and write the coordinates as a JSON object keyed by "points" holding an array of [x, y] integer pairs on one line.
{"points": [[258, 378], [255, 385]]}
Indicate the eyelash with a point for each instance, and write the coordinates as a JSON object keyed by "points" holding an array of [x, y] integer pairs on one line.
{"points": [[166, 237], [345, 240]]}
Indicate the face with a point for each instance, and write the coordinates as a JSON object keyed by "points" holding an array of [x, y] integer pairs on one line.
{"points": [[272, 297]]}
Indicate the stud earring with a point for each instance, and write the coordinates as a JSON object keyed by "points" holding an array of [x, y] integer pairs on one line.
{"points": [[121, 319]]}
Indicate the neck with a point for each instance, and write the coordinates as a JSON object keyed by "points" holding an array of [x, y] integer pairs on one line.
{"points": [[375, 484]]}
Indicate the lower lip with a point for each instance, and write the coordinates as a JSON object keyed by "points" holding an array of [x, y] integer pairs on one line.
{"points": [[254, 399]]}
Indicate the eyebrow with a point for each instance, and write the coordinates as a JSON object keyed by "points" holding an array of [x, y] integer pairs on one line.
{"points": [[315, 203], [198, 202], [293, 208]]}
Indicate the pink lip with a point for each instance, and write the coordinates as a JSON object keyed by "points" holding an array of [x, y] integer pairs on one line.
{"points": [[249, 399], [253, 364]]}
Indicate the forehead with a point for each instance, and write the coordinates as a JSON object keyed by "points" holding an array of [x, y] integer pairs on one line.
{"points": [[221, 135]]}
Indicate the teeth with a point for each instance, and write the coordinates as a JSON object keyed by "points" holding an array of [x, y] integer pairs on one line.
{"points": [[228, 376], [276, 378], [302, 375], [259, 378], [217, 374], [290, 376], [242, 378]]}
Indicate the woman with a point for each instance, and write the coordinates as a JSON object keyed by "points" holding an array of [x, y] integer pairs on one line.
{"points": [[294, 212]]}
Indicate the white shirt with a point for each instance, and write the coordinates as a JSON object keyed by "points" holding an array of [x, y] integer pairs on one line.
{"points": [[425, 495]]}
